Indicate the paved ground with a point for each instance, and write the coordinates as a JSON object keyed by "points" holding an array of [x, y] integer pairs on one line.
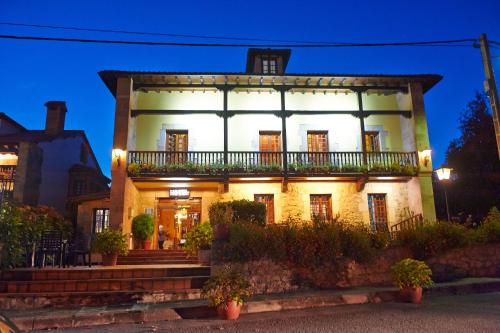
{"points": [[468, 313]]}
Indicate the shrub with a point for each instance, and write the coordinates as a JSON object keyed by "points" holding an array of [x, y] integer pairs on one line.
{"points": [[489, 230], [10, 237], [110, 242], [143, 226], [225, 285], [246, 242], [237, 211], [411, 273], [435, 238], [199, 238], [356, 242]]}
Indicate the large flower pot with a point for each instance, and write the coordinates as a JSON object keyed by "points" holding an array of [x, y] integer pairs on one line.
{"points": [[204, 257], [221, 231], [229, 310], [411, 295], [146, 244], [109, 259]]}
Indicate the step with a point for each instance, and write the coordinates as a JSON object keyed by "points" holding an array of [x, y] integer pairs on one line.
{"points": [[156, 262], [156, 252], [100, 272], [24, 301], [168, 284]]}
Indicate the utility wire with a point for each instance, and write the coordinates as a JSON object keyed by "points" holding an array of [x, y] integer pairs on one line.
{"points": [[159, 33], [332, 45]]}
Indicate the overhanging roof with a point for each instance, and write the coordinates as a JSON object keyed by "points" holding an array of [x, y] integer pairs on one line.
{"points": [[306, 80]]}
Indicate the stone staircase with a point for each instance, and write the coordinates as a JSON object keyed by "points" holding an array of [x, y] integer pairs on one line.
{"points": [[145, 278], [157, 257]]}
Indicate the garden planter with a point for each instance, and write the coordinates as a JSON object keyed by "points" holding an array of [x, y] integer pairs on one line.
{"points": [[146, 244], [204, 257], [221, 231], [411, 295], [109, 259], [229, 310]]}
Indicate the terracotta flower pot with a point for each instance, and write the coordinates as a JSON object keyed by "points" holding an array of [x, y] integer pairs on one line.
{"points": [[109, 259], [229, 310], [204, 257], [221, 231], [146, 244], [411, 295]]}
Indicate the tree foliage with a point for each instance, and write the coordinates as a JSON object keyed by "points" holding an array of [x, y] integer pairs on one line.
{"points": [[475, 161]]}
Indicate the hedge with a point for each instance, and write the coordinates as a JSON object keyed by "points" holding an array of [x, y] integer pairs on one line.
{"points": [[238, 211]]}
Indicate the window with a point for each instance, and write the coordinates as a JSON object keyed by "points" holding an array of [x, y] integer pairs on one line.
{"points": [[321, 206], [372, 141], [317, 146], [269, 65], [79, 187], [270, 143], [378, 212], [101, 220], [268, 200], [177, 144]]}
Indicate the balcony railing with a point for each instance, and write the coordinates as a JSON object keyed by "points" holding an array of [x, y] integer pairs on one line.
{"points": [[210, 163]]}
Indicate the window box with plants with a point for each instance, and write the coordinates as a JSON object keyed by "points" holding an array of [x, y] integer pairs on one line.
{"points": [[410, 276], [199, 242], [225, 290], [110, 244], [142, 230]]}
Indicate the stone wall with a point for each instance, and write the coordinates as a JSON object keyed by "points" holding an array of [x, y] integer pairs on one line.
{"points": [[267, 276]]}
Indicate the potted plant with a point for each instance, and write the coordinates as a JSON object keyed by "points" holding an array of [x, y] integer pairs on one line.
{"points": [[110, 243], [410, 276], [221, 215], [225, 290], [142, 229], [199, 241]]}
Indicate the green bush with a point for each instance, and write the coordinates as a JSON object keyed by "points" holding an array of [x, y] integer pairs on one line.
{"points": [[356, 242], [10, 237], [489, 230], [411, 273], [110, 241], [237, 211], [143, 226], [199, 238], [433, 239]]}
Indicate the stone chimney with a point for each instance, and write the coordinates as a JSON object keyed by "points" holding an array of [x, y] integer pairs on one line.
{"points": [[56, 115]]}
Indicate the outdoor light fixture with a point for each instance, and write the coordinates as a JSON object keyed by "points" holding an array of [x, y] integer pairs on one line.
{"points": [[444, 174], [426, 156], [118, 153]]}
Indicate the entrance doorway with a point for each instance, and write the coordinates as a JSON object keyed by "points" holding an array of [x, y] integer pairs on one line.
{"points": [[178, 217]]}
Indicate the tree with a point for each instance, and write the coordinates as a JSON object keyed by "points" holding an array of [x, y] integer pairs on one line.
{"points": [[475, 161]]}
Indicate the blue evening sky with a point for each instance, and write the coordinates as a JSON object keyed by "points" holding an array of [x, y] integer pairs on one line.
{"points": [[32, 73]]}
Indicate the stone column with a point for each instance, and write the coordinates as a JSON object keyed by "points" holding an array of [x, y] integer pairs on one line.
{"points": [[422, 143], [123, 191], [28, 174]]}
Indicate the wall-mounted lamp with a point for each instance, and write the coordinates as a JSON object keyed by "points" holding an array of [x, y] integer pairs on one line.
{"points": [[426, 156], [118, 154]]}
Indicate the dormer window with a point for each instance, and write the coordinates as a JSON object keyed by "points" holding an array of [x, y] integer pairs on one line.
{"points": [[269, 65]]}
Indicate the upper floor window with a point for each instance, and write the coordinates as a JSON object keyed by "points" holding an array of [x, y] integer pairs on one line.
{"points": [[79, 187], [270, 147], [377, 208], [372, 140], [268, 201], [269, 65], [100, 220], [317, 141], [321, 206], [177, 140]]}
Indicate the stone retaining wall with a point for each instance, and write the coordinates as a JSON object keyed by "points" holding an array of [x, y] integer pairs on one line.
{"points": [[268, 277]]}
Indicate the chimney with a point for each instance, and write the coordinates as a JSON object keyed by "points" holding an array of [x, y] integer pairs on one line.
{"points": [[56, 114]]}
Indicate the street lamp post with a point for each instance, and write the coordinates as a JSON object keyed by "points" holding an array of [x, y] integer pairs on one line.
{"points": [[444, 174]]}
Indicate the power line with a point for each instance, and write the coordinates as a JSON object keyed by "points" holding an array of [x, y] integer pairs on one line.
{"points": [[332, 45], [145, 33]]}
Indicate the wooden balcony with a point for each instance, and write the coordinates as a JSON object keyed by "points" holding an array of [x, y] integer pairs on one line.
{"points": [[240, 163], [7, 173]]}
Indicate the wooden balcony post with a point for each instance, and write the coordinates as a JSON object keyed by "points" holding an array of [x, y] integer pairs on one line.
{"points": [[284, 140], [225, 117], [362, 126]]}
